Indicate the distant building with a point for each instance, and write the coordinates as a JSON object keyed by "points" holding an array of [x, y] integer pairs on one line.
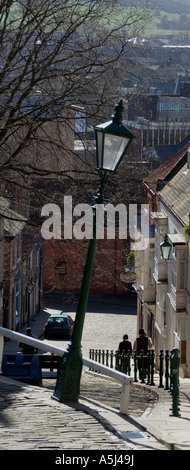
{"points": [[12, 269], [163, 286], [21, 250], [64, 262], [32, 269], [158, 119]]}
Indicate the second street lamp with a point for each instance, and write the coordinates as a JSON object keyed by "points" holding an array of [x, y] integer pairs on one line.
{"points": [[165, 248], [112, 140]]}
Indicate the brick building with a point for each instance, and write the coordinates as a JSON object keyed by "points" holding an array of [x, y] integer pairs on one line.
{"points": [[21, 262], [64, 262]]}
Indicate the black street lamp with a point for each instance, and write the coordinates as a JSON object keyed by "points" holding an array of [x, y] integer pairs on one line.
{"points": [[112, 141], [165, 248]]}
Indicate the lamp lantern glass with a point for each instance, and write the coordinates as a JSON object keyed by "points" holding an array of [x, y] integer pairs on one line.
{"points": [[165, 248], [112, 141]]}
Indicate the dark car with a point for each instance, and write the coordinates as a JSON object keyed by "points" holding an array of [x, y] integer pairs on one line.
{"points": [[59, 325]]}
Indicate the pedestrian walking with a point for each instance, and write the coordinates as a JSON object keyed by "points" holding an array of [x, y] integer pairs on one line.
{"points": [[27, 348], [125, 345], [141, 346], [142, 342]]}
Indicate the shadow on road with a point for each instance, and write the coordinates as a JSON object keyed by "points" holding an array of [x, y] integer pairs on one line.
{"points": [[112, 304]]}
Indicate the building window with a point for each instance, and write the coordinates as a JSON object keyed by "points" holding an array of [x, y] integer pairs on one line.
{"points": [[165, 106], [182, 275], [183, 327], [174, 271], [150, 324], [164, 319], [151, 268], [181, 269], [150, 113], [61, 268]]}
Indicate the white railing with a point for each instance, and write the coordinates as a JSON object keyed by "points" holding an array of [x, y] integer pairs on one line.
{"points": [[125, 380]]}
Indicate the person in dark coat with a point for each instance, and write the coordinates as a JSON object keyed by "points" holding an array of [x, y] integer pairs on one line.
{"points": [[27, 348], [125, 345], [141, 345]]}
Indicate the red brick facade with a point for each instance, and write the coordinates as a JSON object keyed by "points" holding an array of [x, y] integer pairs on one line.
{"points": [[64, 262]]}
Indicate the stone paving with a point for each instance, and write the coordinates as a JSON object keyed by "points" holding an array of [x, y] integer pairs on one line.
{"points": [[30, 419], [108, 392]]}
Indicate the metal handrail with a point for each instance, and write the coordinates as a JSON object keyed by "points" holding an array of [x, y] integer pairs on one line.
{"points": [[31, 341], [125, 380]]}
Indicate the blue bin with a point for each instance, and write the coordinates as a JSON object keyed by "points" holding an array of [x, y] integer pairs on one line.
{"points": [[23, 367]]}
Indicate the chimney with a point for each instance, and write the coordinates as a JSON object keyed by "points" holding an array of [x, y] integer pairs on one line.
{"points": [[188, 158]]}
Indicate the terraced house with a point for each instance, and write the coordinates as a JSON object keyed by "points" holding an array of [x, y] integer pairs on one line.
{"points": [[163, 285], [21, 250]]}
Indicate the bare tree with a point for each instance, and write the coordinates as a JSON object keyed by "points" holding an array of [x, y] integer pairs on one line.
{"points": [[55, 54]]}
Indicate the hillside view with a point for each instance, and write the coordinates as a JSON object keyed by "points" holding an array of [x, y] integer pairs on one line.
{"points": [[171, 17]]}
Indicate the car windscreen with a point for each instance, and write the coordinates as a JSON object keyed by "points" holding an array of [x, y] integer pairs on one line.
{"points": [[57, 320]]}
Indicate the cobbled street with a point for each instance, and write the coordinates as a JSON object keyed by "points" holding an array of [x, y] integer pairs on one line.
{"points": [[106, 320]]}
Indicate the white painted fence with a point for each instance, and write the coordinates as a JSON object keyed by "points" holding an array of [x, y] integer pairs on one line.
{"points": [[125, 380]]}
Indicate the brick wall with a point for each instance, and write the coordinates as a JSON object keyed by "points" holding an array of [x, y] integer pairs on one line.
{"points": [[70, 256]]}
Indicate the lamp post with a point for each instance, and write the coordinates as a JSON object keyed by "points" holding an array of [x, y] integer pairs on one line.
{"points": [[112, 140], [165, 248]]}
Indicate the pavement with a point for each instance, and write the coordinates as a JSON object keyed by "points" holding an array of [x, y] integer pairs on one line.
{"points": [[31, 420]]}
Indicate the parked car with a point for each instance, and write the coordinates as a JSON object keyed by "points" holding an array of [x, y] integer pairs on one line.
{"points": [[59, 325]]}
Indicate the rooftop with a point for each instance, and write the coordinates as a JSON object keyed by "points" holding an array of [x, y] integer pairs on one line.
{"points": [[13, 222], [166, 171], [171, 183], [176, 194]]}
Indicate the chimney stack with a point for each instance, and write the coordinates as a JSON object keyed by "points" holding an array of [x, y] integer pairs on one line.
{"points": [[188, 158]]}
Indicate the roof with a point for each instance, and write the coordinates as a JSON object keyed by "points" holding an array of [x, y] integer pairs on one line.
{"points": [[176, 194], [165, 152], [13, 222], [166, 87], [166, 171]]}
